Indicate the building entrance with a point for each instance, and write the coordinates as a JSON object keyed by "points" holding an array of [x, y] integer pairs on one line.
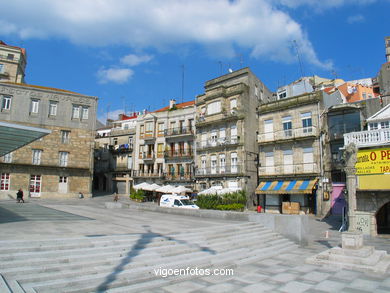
{"points": [[383, 219]]}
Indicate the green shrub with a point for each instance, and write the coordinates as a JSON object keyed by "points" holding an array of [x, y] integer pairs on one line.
{"points": [[215, 202], [231, 207], [137, 194]]}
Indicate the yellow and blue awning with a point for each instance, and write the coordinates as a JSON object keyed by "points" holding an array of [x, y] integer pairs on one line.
{"points": [[287, 186]]}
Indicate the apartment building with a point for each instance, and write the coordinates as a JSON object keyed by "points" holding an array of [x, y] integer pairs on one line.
{"points": [[114, 155], [226, 126], [290, 153], [59, 164], [164, 150], [13, 61]]}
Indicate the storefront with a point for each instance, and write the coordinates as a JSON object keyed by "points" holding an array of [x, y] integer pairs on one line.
{"points": [[288, 196]]}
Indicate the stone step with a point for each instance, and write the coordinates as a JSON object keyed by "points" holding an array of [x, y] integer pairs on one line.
{"points": [[88, 283], [4, 286], [145, 256], [88, 249]]}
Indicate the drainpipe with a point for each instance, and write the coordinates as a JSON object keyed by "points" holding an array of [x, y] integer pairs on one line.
{"points": [[319, 209]]}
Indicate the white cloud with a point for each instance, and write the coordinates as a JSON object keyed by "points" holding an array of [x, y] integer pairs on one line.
{"points": [[255, 25], [110, 115], [116, 75], [355, 19], [321, 5], [133, 60]]}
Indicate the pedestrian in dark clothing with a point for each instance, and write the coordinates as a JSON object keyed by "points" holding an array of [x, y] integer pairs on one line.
{"points": [[19, 196]]}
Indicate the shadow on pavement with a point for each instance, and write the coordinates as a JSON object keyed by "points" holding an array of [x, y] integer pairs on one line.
{"points": [[7, 216], [141, 244]]}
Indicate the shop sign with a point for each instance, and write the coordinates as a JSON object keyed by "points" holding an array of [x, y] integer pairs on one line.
{"points": [[373, 161]]}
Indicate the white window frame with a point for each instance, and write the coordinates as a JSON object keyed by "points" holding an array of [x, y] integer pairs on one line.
{"points": [[34, 106], [65, 134], [84, 112], [53, 106], [7, 158], [287, 120], [222, 163], [214, 108], [75, 112], [234, 162], [6, 103], [36, 156], [213, 160], [306, 118], [5, 181], [63, 159]]}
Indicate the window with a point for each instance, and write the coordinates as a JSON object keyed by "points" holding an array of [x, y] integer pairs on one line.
{"points": [[364, 96], [269, 129], [149, 129], [141, 131], [76, 112], [287, 126], [385, 124], [36, 157], [34, 106], [160, 150], [203, 164], [213, 138], [1, 68], [129, 162], [160, 129], [373, 126], [288, 161], [269, 163], [63, 159], [5, 179], [6, 103], [214, 107], [306, 122], [85, 113], [233, 104], [308, 159], [222, 135], [65, 136], [222, 163], [53, 108], [213, 164], [233, 133], [234, 162], [282, 95], [7, 158], [10, 56]]}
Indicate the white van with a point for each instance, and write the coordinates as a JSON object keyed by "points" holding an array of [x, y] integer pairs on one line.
{"points": [[177, 201]]}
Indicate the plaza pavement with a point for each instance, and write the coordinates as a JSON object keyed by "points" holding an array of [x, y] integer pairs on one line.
{"points": [[80, 246]]}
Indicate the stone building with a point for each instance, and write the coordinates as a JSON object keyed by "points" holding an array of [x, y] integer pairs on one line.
{"points": [[61, 163], [226, 127], [13, 61], [164, 145], [290, 153]]}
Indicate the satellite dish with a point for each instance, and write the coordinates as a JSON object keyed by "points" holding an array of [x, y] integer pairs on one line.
{"points": [[230, 70]]}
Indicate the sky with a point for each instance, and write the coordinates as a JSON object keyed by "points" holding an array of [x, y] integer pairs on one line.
{"points": [[139, 54]]}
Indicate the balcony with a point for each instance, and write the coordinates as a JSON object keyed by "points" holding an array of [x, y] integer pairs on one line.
{"points": [[179, 154], [148, 174], [180, 177], [289, 134], [219, 171], [122, 148], [290, 169], [368, 138], [147, 156], [223, 116], [178, 131], [220, 142]]}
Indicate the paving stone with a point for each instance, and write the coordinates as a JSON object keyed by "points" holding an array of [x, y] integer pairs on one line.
{"points": [[284, 277], [252, 277], [183, 287], [346, 275], [354, 290], [306, 268], [364, 284], [221, 288], [295, 287], [274, 269], [315, 276], [330, 286], [260, 287], [270, 262]]}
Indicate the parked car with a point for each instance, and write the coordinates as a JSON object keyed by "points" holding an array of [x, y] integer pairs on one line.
{"points": [[177, 201]]}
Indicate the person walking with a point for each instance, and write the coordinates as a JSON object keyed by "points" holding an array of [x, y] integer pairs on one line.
{"points": [[19, 196]]}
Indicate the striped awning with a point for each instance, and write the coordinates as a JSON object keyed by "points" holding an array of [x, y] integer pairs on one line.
{"points": [[287, 186]]}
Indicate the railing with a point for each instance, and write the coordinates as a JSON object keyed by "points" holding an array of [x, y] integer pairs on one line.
{"points": [[287, 134], [146, 156], [178, 131], [368, 138], [222, 115], [178, 177], [122, 148], [180, 153], [218, 142], [137, 173], [302, 168], [219, 170]]}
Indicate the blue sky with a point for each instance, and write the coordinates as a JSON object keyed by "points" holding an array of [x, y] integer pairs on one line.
{"points": [[131, 54]]}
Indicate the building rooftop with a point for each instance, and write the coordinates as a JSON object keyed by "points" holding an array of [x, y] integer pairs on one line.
{"points": [[178, 106]]}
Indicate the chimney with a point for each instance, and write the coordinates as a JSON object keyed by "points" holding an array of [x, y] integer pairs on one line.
{"points": [[172, 103]]}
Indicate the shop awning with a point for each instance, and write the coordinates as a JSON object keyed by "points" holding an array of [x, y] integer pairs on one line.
{"points": [[287, 187]]}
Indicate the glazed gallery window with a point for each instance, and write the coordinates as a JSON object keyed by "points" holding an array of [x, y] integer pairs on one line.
{"points": [[36, 157], [306, 122], [6, 103], [214, 107], [287, 126]]}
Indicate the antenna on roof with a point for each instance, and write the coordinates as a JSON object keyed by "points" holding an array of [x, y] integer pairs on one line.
{"points": [[220, 66], [300, 61]]}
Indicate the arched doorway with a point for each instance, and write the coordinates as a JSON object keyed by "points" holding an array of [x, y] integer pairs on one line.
{"points": [[383, 219]]}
